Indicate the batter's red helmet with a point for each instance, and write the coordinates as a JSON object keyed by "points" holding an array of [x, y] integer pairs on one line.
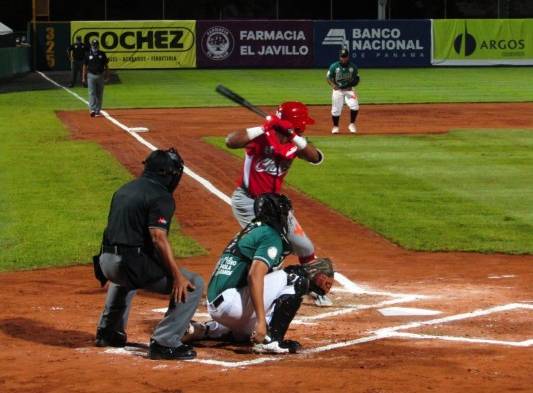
{"points": [[295, 112]]}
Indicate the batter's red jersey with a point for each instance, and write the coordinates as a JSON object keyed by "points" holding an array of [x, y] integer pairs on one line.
{"points": [[266, 164]]}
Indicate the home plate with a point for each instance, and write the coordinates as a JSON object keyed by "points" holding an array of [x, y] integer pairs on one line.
{"points": [[138, 129], [406, 311]]}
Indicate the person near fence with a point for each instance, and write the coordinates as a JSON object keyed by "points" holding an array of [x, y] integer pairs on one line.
{"points": [[76, 55], [95, 74]]}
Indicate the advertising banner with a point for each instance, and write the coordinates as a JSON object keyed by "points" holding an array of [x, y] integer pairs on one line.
{"points": [[391, 43], [142, 44], [52, 41], [255, 44], [482, 41]]}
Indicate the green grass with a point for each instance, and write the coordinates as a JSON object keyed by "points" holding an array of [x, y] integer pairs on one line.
{"points": [[194, 88], [54, 192], [467, 191]]}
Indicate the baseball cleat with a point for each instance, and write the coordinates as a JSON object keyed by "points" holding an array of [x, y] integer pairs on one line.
{"points": [[352, 128], [110, 338], [196, 331], [160, 352], [279, 347], [335, 130], [93, 114], [321, 300]]}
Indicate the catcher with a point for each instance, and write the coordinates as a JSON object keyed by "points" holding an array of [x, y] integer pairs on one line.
{"points": [[248, 295], [270, 151]]}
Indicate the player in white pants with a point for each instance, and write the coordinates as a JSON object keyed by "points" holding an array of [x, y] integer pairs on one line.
{"points": [[248, 295], [342, 77]]}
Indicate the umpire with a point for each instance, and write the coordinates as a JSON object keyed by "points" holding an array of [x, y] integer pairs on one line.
{"points": [[95, 74], [76, 55], [136, 254]]}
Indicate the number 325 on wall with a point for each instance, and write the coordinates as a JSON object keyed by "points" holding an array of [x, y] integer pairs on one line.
{"points": [[50, 47]]}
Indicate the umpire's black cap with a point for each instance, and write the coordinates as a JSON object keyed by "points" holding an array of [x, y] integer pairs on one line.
{"points": [[344, 52]]}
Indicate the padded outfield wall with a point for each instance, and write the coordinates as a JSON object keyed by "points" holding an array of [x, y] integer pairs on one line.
{"points": [[292, 44]]}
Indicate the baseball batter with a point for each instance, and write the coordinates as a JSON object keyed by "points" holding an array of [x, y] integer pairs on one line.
{"points": [[342, 77], [248, 296], [270, 151]]}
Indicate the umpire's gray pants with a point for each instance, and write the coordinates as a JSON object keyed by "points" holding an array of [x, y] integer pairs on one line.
{"points": [[95, 83], [119, 297], [243, 210]]}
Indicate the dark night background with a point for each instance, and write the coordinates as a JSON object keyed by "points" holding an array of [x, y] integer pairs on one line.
{"points": [[16, 13]]}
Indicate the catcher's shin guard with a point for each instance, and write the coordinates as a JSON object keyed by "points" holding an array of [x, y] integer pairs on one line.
{"points": [[286, 307]]}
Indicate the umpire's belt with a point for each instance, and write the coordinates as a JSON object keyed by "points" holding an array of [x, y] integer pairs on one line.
{"points": [[122, 250], [218, 301]]}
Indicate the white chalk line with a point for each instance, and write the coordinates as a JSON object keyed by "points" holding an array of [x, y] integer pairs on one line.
{"points": [[344, 281], [379, 334], [132, 131]]}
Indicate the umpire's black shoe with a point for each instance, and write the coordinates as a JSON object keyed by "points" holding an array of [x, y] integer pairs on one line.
{"points": [[159, 352], [110, 338]]}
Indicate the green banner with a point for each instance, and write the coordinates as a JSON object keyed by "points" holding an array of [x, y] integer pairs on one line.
{"points": [[142, 44], [482, 41]]}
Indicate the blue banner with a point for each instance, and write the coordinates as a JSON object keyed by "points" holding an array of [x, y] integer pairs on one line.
{"points": [[391, 43]]}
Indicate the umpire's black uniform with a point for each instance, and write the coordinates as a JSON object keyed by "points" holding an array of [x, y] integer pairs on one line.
{"points": [[76, 54], [130, 260]]}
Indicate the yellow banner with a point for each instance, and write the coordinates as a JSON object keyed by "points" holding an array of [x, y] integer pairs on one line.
{"points": [[142, 44]]}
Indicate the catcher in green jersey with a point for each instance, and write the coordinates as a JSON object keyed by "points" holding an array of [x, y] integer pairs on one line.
{"points": [[342, 76], [249, 295]]}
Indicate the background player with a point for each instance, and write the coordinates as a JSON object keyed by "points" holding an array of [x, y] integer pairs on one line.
{"points": [[342, 76], [270, 151]]}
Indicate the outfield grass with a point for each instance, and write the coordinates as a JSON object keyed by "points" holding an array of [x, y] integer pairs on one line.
{"points": [[462, 191], [195, 88], [55, 192]]}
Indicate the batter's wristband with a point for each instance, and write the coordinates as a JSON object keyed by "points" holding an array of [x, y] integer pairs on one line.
{"points": [[254, 132], [300, 142]]}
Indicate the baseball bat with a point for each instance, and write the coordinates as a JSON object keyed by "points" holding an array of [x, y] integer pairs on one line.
{"points": [[230, 94]]}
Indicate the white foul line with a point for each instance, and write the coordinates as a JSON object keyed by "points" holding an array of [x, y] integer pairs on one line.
{"points": [[131, 130]]}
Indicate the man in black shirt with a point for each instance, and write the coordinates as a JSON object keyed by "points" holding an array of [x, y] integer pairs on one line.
{"points": [[76, 55], [136, 254], [95, 73]]}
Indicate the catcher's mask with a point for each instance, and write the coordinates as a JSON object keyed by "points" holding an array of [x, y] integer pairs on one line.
{"points": [[166, 166], [297, 113], [273, 209]]}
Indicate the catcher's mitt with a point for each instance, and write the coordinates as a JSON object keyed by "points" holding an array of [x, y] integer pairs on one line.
{"points": [[319, 272]]}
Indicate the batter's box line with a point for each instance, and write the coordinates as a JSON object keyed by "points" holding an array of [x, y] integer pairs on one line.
{"points": [[379, 334]]}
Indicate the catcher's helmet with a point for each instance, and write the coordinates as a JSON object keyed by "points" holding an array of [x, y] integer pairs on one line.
{"points": [[295, 112], [167, 165], [273, 209]]}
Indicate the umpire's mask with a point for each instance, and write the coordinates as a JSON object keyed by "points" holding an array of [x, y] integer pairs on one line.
{"points": [[165, 166]]}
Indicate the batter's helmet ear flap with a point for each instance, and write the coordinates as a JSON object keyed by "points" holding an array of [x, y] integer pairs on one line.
{"points": [[295, 112]]}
